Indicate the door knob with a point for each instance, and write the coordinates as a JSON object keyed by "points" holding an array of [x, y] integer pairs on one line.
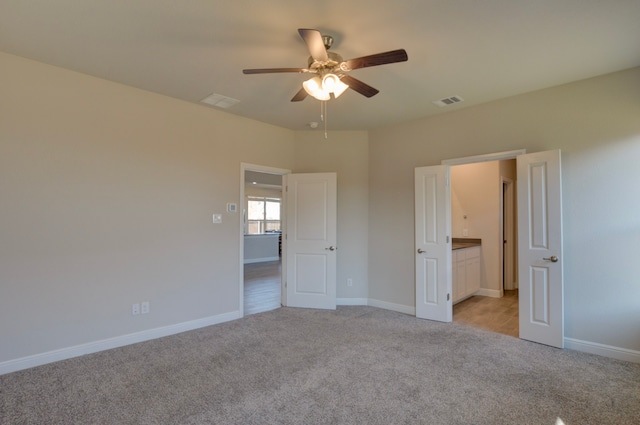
{"points": [[331, 248], [421, 251], [553, 259]]}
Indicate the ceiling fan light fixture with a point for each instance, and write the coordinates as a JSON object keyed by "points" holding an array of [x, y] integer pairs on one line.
{"points": [[331, 83], [313, 87]]}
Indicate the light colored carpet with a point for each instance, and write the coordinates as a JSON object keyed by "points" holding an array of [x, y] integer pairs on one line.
{"points": [[356, 365]]}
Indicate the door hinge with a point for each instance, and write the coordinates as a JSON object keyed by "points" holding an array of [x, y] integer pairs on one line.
{"points": [[448, 296], [285, 283], [447, 239]]}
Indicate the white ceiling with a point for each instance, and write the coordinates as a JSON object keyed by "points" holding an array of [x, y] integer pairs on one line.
{"points": [[480, 50]]}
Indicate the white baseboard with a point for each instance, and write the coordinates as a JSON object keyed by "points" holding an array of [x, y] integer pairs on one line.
{"points": [[406, 309], [260, 260], [133, 338], [352, 301], [602, 350], [569, 343], [115, 342], [488, 293]]}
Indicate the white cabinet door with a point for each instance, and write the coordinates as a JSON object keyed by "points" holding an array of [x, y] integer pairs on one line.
{"points": [[472, 265], [540, 248], [459, 275], [311, 240], [466, 272]]}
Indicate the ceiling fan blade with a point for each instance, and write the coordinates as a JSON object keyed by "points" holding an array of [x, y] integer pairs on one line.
{"points": [[272, 70], [392, 56], [301, 95], [314, 42], [359, 86]]}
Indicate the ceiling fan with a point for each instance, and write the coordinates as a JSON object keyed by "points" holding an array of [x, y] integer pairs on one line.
{"points": [[331, 78]]}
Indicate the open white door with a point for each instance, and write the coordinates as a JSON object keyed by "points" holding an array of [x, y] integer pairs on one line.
{"points": [[433, 245], [311, 240], [540, 248]]}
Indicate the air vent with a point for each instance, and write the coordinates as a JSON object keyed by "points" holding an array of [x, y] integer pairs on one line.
{"points": [[448, 101], [219, 101]]}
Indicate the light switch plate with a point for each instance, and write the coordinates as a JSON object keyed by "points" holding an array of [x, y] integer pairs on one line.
{"points": [[217, 218]]}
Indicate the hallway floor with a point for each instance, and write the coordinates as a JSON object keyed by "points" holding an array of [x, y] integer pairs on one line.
{"points": [[262, 286], [498, 315]]}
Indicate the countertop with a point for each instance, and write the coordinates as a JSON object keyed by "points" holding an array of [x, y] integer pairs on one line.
{"points": [[460, 243]]}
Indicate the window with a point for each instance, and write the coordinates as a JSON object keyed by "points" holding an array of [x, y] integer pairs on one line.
{"points": [[263, 215]]}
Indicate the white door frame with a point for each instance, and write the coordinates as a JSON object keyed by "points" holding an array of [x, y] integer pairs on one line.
{"points": [[484, 158], [267, 170], [507, 256]]}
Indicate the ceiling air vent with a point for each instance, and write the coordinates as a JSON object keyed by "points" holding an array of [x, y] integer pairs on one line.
{"points": [[219, 101], [448, 101]]}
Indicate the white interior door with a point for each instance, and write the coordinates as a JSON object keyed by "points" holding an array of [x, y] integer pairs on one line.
{"points": [[433, 245], [540, 248], [311, 240]]}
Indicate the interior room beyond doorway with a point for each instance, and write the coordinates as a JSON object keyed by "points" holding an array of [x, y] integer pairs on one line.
{"points": [[262, 248], [478, 212]]}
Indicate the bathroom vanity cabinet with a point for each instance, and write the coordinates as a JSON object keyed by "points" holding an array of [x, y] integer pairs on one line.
{"points": [[466, 272]]}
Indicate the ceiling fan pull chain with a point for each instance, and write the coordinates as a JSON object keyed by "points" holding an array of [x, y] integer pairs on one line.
{"points": [[326, 118]]}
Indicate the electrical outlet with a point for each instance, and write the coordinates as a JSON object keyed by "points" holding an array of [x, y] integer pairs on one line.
{"points": [[135, 309], [145, 307], [465, 232], [349, 282]]}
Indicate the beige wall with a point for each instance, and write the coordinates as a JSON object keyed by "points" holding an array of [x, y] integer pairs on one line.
{"points": [[596, 124], [346, 153], [106, 197]]}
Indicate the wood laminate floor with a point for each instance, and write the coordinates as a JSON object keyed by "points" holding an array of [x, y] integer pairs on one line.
{"points": [[498, 315], [262, 286]]}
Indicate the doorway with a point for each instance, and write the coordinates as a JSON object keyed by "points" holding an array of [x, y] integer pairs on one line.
{"points": [[539, 209], [262, 205], [482, 211]]}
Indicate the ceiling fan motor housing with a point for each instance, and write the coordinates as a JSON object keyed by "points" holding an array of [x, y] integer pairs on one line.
{"points": [[330, 65], [328, 41]]}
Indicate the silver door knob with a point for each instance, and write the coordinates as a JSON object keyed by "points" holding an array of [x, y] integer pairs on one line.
{"points": [[421, 251], [331, 248], [553, 259]]}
